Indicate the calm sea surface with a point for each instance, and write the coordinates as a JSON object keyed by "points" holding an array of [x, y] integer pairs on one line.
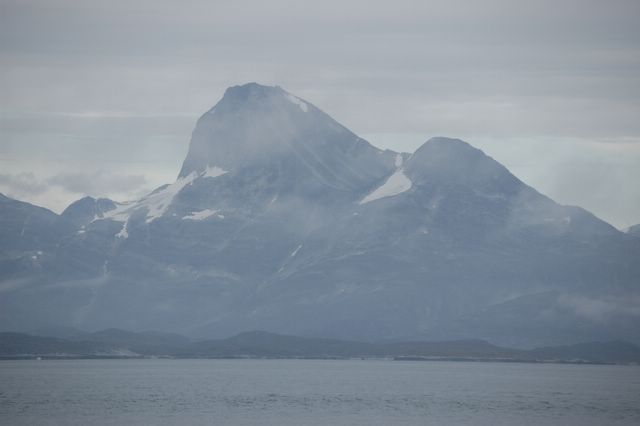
{"points": [[307, 392]]}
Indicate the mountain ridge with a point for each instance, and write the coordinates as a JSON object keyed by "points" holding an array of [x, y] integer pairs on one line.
{"points": [[324, 235], [261, 344]]}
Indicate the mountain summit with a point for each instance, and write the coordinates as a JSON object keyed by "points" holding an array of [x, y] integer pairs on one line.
{"points": [[261, 127], [284, 220]]}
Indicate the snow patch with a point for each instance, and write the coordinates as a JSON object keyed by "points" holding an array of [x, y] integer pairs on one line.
{"points": [[124, 233], [214, 171], [120, 213], [396, 184], [294, 100], [155, 203], [399, 160], [202, 215], [37, 255]]}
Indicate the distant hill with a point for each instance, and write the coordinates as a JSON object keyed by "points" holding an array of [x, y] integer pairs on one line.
{"points": [[259, 344], [19, 344], [606, 352]]}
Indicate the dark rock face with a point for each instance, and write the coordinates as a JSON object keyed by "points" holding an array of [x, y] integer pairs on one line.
{"points": [[284, 220]]}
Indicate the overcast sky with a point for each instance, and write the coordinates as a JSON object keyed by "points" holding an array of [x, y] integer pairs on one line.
{"points": [[100, 98]]}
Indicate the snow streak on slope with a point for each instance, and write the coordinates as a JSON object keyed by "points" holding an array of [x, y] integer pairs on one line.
{"points": [[159, 200], [155, 203], [201, 215], [399, 160], [124, 233], [213, 172], [296, 250], [396, 184]]}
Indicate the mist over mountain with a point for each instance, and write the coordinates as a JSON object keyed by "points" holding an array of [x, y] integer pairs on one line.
{"points": [[284, 220]]}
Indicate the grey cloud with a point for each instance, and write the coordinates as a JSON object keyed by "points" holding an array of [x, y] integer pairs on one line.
{"points": [[100, 141], [27, 185], [415, 53], [98, 183], [22, 184]]}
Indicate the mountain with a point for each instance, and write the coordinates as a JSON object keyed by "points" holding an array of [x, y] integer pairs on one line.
{"points": [[145, 343], [25, 227], [19, 344], [259, 130], [284, 220], [29, 236], [260, 344]]}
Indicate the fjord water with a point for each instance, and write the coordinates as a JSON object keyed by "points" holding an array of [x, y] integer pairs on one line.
{"points": [[315, 392]]}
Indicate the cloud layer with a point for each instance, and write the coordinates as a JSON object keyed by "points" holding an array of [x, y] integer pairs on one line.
{"points": [[71, 186]]}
